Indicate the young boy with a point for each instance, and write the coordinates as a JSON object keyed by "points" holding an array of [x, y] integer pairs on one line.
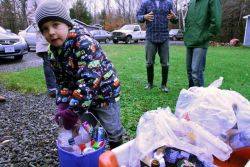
{"points": [[87, 79]]}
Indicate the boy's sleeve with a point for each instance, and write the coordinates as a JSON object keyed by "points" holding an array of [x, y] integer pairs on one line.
{"points": [[141, 12], [89, 74]]}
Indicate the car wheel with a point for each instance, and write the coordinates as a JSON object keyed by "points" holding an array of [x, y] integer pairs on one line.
{"points": [[106, 40], [29, 48], [115, 41], [174, 38], [128, 40], [18, 57], [136, 41]]}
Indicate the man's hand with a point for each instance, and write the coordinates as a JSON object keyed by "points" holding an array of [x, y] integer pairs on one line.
{"points": [[171, 15], [149, 16]]}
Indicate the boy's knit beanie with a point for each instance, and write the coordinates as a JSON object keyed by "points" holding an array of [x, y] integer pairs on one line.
{"points": [[52, 10]]}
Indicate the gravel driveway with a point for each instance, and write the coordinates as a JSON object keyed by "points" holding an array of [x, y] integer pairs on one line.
{"points": [[29, 60], [27, 128], [28, 131]]}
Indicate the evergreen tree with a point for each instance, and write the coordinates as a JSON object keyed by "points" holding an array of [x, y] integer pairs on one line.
{"points": [[80, 12]]}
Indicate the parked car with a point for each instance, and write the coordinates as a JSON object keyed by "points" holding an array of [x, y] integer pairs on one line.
{"points": [[129, 33], [176, 34], [12, 45], [29, 34], [101, 35]]}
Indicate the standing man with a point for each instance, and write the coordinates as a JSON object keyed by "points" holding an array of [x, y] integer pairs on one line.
{"points": [[202, 22], [42, 47], [156, 14]]}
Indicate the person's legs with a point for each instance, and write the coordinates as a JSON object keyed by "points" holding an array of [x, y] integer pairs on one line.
{"points": [[150, 49], [49, 74], [203, 65], [163, 52], [189, 57], [198, 66], [109, 118]]}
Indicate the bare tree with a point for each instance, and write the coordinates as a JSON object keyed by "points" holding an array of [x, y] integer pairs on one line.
{"points": [[121, 5], [233, 24], [127, 9]]}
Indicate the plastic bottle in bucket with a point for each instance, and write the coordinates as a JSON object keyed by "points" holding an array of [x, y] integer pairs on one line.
{"points": [[88, 158], [82, 137], [63, 139]]}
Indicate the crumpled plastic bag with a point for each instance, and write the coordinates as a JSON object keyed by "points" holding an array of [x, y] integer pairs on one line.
{"points": [[214, 109], [162, 128]]}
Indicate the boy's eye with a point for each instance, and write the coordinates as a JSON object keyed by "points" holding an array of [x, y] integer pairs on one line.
{"points": [[44, 29], [56, 24]]}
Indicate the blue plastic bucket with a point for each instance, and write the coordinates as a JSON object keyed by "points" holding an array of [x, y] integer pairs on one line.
{"points": [[68, 159]]}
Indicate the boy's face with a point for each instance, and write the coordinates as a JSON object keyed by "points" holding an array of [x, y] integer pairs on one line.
{"points": [[55, 32]]}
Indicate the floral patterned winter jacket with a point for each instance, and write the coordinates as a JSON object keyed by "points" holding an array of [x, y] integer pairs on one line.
{"points": [[83, 72]]}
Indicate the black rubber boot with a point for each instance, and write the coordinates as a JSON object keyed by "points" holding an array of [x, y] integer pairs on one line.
{"points": [[150, 76], [164, 73], [113, 145], [190, 83]]}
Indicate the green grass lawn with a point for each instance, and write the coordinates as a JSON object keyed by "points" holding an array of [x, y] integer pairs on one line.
{"points": [[129, 60]]}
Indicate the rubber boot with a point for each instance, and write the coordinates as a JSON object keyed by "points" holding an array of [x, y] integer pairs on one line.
{"points": [[150, 76], [113, 145], [164, 73], [190, 83]]}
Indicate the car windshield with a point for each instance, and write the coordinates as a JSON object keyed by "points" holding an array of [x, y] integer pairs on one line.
{"points": [[2, 30], [128, 27], [173, 31]]}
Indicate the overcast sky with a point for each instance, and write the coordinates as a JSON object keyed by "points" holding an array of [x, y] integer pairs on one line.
{"points": [[99, 4]]}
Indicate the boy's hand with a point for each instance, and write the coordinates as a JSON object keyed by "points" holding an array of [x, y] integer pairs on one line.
{"points": [[171, 15], [149, 16], [65, 116]]}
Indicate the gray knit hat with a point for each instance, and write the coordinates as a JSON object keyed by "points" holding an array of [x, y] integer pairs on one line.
{"points": [[52, 10]]}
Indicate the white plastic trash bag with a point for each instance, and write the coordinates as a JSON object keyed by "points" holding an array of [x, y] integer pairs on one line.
{"points": [[214, 109], [162, 128]]}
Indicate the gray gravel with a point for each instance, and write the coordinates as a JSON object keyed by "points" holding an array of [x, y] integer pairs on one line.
{"points": [[28, 131], [27, 127]]}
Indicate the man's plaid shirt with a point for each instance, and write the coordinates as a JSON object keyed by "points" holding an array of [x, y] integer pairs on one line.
{"points": [[156, 30]]}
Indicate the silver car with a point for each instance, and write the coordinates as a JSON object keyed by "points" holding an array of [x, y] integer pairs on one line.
{"points": [[12, 45], [29, 34], [176, 34], [101, 35]]}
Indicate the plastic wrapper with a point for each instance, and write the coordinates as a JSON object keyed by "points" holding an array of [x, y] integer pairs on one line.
{"points": [[214, 109], [162, 128]]}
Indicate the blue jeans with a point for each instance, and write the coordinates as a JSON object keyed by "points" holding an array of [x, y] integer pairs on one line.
{"points": [[109, 117], [195, 64], [163, 52], [48, 72]]}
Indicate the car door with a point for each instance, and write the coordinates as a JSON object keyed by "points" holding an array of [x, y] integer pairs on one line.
{"points": [[30, 36], [97, 36], [103, 36], [136, 33]]}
